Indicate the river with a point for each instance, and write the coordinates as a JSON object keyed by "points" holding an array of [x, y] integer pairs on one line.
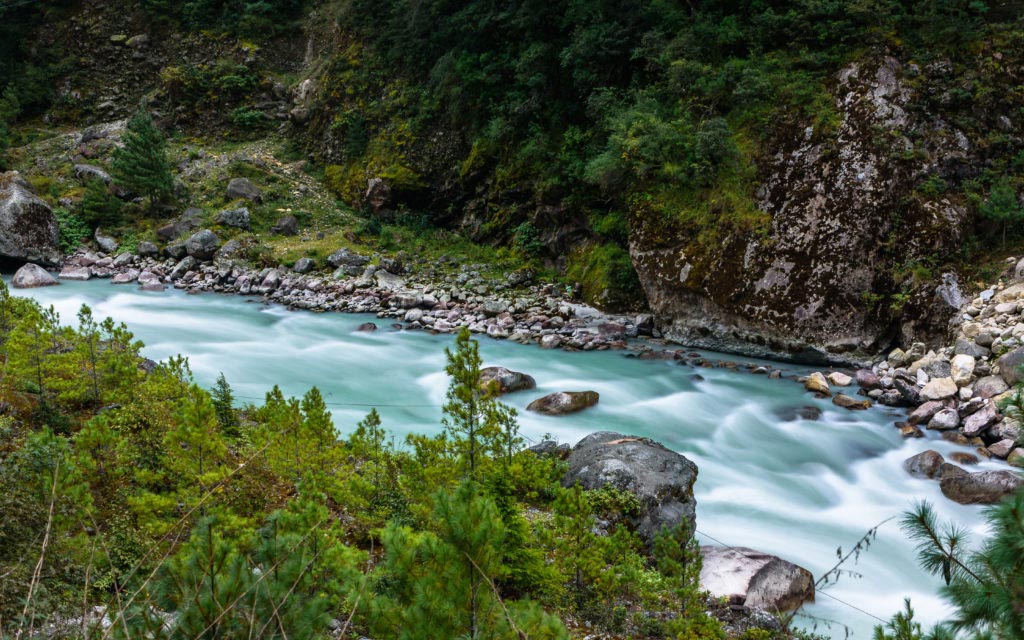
{"points": [[796, 488]]}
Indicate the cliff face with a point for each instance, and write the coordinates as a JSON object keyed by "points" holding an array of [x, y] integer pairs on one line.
{"points": [[849, 220]]}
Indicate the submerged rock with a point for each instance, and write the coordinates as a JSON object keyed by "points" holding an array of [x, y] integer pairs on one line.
{"points": [[662, 480], [563, 402], [754, 579]]}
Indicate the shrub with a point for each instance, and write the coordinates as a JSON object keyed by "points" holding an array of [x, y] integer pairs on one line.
{"points": [[72, 229]]}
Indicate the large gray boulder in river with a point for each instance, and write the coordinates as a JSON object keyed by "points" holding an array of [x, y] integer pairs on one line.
{"points": [[28, 228], [556, 404], [32, 275], [508, 381], [984, 487], [662, 480], [754, 579]]}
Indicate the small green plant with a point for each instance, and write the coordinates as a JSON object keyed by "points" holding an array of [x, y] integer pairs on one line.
{"points": [[933, 187], [526, 239], [72, 229], [247, 118]]}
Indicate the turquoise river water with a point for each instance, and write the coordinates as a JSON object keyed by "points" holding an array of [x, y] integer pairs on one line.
{"points": [[792, 487]]}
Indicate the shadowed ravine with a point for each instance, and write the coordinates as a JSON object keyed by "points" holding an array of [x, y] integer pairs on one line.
{"points": [[795, 488]]}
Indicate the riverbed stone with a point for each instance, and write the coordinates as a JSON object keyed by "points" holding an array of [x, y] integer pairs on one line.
{"points": [[848, 402], [303, 265], [868, 379], [924, 413], [983, 487], [944, 420], [961, 369], [508, 381], [562, 402], [1016, 458], [925, 464], [287, 225], [839, 379], [976, 423], [32, 275], [939, 389], [754, 579], [1010, 366], [817, 383], [71, 272], [106, 243], [990, 386], [1002, 448], [662, 480]]}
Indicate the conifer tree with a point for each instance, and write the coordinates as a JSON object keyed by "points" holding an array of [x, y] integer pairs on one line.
{"points": [[317, 420], [88, 348], [223, 402], [984, 584], [141, 165], [474, 420], [195, 449], [98, 207]]}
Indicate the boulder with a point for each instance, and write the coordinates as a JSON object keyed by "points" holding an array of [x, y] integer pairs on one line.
{"points": [[367, 326], [868, 379], [925, 464], [944, 420], [990, 386], [551, 448], [125, 277], [983, 487], [237, 218], [28, 228], [286, 226], [303, 265], [106, 243], [939, 389], [202, 245], [88, 172], [753, 579], [925, 412], [961, 369], [817, 383], [1016, 458], [243, 188], [32, 275], [188, 221], [1002, 448], [75, 273], [508, 381], [976, 423], [184, 266], [378, 195], [1010, 366], [345, 258], [839, 379], [848, 402], [147, 249], [662, 480], [563, 402]]}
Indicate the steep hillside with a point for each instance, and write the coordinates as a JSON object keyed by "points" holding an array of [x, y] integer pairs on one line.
{"points": [[770, 177]]}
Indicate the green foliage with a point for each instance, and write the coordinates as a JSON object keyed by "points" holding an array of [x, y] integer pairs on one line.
{"points": [[983, 583], [141, 165], [1003, 206], [247, 118], [606, 274], [99, 208], [223, 403], [526, 239], [73, 230]]}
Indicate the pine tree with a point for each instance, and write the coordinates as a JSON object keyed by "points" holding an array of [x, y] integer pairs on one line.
{"points": [[88, 347], [98, 207], [317, 420], [141, 165], [474, 420], [195, 449], [986, 585], [223, 402]]}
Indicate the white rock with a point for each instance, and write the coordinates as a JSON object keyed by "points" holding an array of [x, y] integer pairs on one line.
{"points": [[939, 389], [961, 369], [840, 379], [817, 383]]}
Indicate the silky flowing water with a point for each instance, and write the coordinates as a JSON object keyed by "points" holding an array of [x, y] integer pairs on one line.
{"points": [[796, 488]]}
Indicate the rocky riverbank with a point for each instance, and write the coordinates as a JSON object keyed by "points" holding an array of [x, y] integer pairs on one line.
{"points": [[967, 391], [437, 300]]}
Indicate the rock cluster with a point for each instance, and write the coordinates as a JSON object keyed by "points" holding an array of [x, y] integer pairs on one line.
{"points": [[440, 302]]}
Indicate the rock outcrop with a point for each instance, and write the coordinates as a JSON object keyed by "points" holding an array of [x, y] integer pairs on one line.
{"points": [[757, 580], [662, 480], [831, 202], [28, 228], [508, 381]]}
